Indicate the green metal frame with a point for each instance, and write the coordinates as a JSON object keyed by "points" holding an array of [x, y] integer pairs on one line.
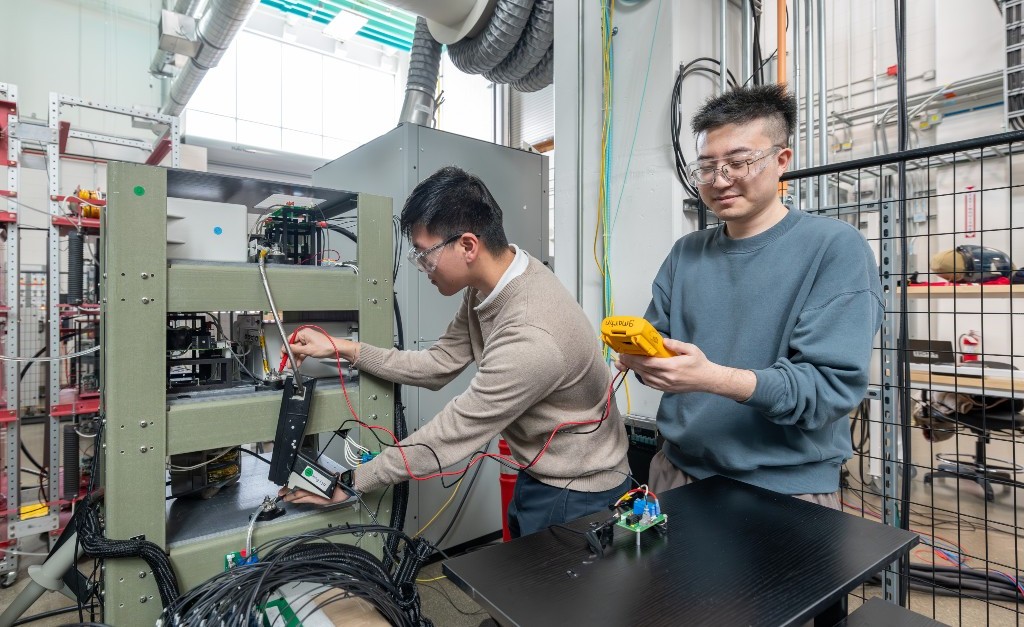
{"points": [[138, 289]]}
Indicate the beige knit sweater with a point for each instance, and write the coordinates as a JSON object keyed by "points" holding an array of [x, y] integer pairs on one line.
{"points": [[539, 365]]}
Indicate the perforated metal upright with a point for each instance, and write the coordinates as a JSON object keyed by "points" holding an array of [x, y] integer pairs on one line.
{"points": [[1013, 71], [10, 159], [891, 279], [60, 132], [143, 425]]}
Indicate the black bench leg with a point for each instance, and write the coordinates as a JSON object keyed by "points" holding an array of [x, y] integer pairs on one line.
{"points": [[832, 614]]}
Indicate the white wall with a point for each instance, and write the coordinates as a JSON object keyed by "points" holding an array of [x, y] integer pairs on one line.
{"points": [[92, 49], [95, 49]]}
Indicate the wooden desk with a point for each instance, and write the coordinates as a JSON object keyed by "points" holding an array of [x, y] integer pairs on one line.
{"points": [[921, 378], [734, 555]]}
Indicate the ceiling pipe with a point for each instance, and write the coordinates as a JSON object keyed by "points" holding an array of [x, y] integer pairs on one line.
{"points": [[217, 28], [187, 7]]}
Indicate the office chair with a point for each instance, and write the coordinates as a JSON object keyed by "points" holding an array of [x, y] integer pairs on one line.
{"points": [[980, 468]]}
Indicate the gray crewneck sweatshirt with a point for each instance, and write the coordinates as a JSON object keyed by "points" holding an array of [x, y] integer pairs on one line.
{"points": [[798, 305], [539, 364]]}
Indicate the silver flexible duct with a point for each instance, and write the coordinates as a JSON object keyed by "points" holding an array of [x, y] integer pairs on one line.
{"points": [[424, 63], [186, 7], [535, 42], [217, 28], [541, 76], [485, 51]]}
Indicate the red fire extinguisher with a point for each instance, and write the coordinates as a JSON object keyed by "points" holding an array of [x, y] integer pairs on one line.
{"points": [[970, 346]]}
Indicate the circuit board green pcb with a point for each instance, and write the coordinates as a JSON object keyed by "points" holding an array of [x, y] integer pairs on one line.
{"points": [[638, 528]]}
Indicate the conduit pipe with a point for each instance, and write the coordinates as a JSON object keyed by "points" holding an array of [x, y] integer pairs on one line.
{"points": [[780, 36]]}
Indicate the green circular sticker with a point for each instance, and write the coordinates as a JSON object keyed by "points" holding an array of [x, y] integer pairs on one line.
{"points": [[139, 190]]}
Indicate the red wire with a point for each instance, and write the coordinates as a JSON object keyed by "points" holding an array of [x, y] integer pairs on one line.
{"points": [[481, 456], [337, 357]]}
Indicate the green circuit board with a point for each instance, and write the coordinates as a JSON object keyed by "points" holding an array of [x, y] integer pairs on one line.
{"points": [[638, 528]]}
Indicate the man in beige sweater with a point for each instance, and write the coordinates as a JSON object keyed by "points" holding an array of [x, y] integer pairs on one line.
{"points": [[538, 365]]}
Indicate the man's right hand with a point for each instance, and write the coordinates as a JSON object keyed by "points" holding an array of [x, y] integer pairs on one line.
{"points": [[312, 343]]}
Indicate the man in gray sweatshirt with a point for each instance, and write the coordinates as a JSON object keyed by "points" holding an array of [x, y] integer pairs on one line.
{"points": [[538, 360], [771, 313]]}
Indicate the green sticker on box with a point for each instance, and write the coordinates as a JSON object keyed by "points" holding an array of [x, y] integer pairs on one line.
{"points": [[139, 190]]}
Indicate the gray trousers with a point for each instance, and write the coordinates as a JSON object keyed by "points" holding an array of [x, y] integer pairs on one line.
{"points": [[665, 476]]}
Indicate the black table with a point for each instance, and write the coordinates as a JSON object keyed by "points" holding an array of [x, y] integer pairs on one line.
{"points": [[734, 555]]}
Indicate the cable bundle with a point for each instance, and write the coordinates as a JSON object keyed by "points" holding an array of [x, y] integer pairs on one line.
{"points": [[675, 114], [90, 536], [240, 595]]}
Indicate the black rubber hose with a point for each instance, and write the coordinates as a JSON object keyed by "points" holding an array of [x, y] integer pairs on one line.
{"points": [[347, 233]]}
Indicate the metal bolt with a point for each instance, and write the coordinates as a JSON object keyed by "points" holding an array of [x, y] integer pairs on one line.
{"points": [[374, 281], [143, 424], [373, 416], [144, 276], [142, 599], [142, 574], [143, 449], [373, 300], [145, 301], [373, 397]]}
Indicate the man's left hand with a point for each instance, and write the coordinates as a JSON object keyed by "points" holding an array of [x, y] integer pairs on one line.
{"points": [[342, 492]]}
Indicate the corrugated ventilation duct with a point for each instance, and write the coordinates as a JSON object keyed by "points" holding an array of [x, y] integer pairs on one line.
{"points": [[515, 46], [217, 28], [424, 62]]}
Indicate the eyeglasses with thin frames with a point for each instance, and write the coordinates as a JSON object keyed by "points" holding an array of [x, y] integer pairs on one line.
{"points": [[421, 258], [734, 170]]}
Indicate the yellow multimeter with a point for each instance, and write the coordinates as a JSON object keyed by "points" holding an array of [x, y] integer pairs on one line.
{"points": [[630, 335]]}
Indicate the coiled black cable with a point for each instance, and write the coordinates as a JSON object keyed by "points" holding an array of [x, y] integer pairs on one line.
{"points": [[239, 596]]}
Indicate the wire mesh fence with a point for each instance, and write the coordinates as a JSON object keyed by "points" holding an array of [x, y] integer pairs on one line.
{"points": [[937, 442]]}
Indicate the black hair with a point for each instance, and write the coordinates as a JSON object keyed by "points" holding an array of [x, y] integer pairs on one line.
{"points": [[771, 103], [451, 202]]}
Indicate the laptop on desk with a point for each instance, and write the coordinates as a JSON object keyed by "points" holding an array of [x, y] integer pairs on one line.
{"points": [[932, 352], [938, 357]]}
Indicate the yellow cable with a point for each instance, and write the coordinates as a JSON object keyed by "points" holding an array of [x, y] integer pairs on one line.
{"points": [[434, 579], [605, 122], [455, 491], [628, 402], [263, 348]]}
